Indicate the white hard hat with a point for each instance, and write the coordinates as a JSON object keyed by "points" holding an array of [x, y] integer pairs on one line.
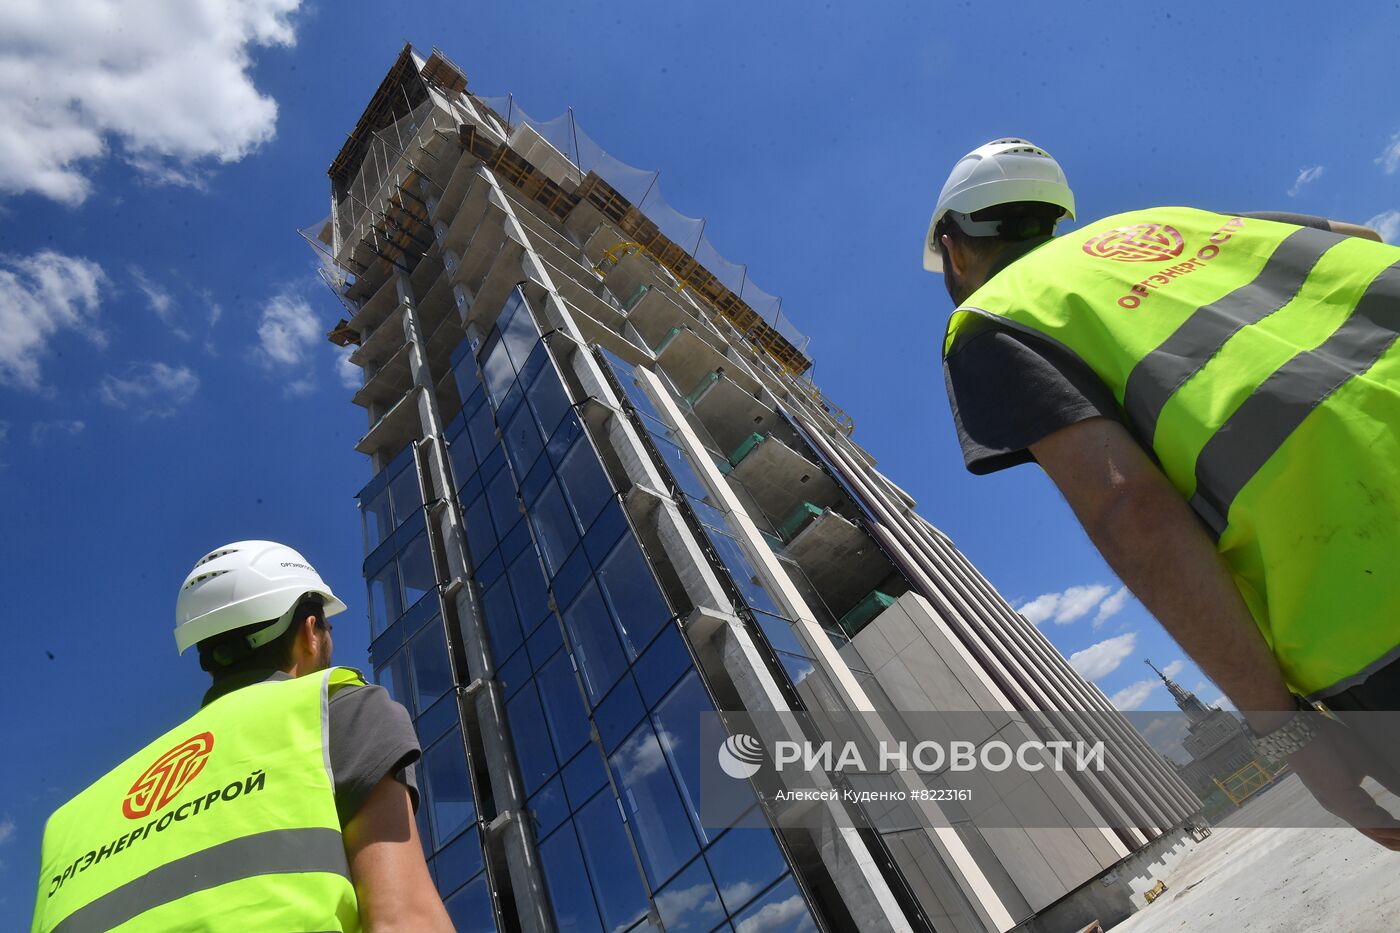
{"points": [[1001, 172], [244, 583]]}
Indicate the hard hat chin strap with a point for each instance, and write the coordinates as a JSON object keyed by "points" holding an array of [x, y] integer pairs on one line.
{"points": [[272, 632], [974, 228]]}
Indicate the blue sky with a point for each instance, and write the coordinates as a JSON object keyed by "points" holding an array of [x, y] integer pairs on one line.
{"points": [[165, 388]]}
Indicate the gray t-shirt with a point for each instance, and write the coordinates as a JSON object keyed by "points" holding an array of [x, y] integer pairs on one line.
{"points": [[371, 735]]}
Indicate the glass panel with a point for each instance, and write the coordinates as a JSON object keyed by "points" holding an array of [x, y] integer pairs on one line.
{"points": [[607, 854], [654, 809], [459, 452], [797, 667], [459, 861], [500, 496], [554, 526], [522, 440], [432, 670], [781, 910], [449, 788], [569, 890], [511, 404], [745, 577], [570, 429], [531, 595], [549, 808], [464, 374], [590, 628], [405, 493], [481, 428], [662, 663], [584, 775], [610, 525], [678, 727], [532, 751], [744, 862], [470, 909], [518, 333], [481, 536], [393, 677], [631, 591], [385, 601], [563, 706], [514, 672], [569, 579], [779, 633], [440, 717], [537, 360], [547, 399], [618, 713], [690, 904], [681, 469], [584, 481], [544, 642], [498, 606], [416, 567], [497, 369], [378, 519]]}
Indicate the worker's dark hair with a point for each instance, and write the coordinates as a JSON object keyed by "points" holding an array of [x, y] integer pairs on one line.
{"points": [[1021, 221], [228, 653]]}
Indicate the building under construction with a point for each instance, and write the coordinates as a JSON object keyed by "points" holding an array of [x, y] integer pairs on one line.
{"points": [[607, 497]]}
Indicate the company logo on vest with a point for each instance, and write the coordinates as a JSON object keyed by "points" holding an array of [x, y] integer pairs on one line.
{"points": [[1147, 242], [163, 780]]}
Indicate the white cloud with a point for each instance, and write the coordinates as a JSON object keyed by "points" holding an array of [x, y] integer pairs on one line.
{"points": [[773, 916], [1201, 687], [1111, 607], [166, 81], [1103, 658], [697, 903], [350, 374], [41, 295], [1387, 224], [1306, 176], [158, 298], [288, 330], [1174, 668], [1389, 159], [7, 829], [640, 757], [43, 430], [150, 390], [1074, 603], [1222, 701], [1134, 695]]}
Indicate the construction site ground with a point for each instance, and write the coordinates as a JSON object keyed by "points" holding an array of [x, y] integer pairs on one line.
{"points": [[1279, 880]]}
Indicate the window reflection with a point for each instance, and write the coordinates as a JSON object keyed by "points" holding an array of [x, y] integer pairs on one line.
{"points": [[527, 728], [690, 904], [678, 729], [385, 601], [781, 910], [449, 788], [405, 493], [618, 887], [590, 630], [569, 890], [416, 569], [377, 516], [633, 595], [432, 671], [554, 526], [659, 822], [744, 862]]}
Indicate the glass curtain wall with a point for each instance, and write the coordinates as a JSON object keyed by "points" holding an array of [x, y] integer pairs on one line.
{"points": [[602, 697], [410, 658]]}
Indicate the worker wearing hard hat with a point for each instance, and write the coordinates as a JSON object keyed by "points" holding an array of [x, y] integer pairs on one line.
{"points": [[285, 803], [1217, 396]]}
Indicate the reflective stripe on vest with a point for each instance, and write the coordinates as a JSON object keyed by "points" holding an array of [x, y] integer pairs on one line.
{"points": [[1258, 361], [227, 822]]}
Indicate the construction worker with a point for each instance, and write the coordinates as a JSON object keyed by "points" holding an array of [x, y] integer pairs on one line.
{"points": [[285, 803], [1217, 397]]}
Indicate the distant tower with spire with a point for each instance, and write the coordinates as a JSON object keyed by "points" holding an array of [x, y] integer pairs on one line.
{"points": [[1216, 741]]}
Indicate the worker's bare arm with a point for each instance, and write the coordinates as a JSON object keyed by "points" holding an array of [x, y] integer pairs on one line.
{"points": [[1342, 227], [1153, 541], [387, 867]]}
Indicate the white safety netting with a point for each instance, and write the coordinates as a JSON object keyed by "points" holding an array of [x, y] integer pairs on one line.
{"points": [[642, 188]]}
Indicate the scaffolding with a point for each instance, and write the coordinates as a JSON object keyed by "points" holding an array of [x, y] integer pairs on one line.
{"points": [[379, 210]]}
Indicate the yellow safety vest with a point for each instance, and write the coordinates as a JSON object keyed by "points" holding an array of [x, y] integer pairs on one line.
{"points": [[1258, 362], [227, 823]]}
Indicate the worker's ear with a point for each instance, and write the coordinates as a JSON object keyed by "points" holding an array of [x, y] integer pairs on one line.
{"points": [[956, 258]]}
